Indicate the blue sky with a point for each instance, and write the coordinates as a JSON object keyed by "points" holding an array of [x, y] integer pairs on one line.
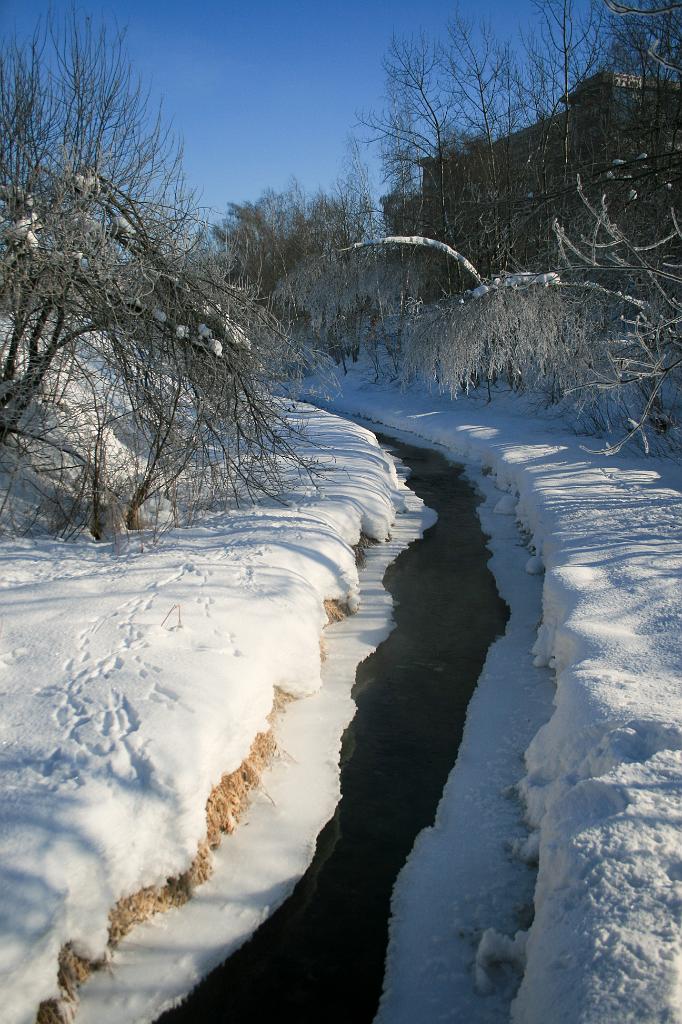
{"points": [[264, 91]]}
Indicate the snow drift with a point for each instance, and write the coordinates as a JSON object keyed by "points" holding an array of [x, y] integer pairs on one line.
{"points": [[602, 783], [132, 681]]}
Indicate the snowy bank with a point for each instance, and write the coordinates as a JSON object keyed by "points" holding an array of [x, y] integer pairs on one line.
{"points": [[133, 681], [601, 786]]}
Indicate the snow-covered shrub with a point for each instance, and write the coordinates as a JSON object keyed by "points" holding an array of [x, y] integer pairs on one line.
{"points": [[574, 345], [127, 359], [611, 353], [635, 264], [536, 337], [362, 301]]}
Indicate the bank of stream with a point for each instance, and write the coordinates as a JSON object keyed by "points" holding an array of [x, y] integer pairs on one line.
{"points": [[320, 956]]}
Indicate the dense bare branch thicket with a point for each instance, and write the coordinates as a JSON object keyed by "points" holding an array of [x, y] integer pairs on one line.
{"points": [[131, 368], [532, 338], [564, 160], [643, 356], [269, 238], [366, 301]]}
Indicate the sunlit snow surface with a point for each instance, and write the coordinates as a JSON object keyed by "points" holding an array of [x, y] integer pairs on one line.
{"points": [[119, 715], [594, 699], [111, 717]]}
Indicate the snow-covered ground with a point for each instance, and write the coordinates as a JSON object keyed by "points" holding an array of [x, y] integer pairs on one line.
{"points": [[132, 680], [600, 541], [117, 722]]}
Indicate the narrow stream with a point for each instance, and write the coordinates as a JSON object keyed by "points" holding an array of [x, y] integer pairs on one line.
{"points": [[320, 957]]}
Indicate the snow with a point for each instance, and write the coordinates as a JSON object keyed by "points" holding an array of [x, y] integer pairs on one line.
{"points": [[535, 565], [24, 230], [133, 679], [87, 183], [549, 888], [421, 242], [479, 292], [236, 335], [590, 545], [523, 280], [121, 225], [495, 949]]}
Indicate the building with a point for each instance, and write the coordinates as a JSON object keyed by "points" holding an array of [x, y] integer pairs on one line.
{"points": [[483, 189]]}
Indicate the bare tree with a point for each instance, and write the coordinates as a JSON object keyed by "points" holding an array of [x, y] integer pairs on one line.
{"points": [[119, 327], [415, 125], [481, 79], [572, 46]]}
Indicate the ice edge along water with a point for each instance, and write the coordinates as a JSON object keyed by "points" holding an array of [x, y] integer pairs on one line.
{"points": [[601, 783], [117, 722], [258, 866]]}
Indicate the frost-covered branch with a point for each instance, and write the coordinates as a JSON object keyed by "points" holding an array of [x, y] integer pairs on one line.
{"points": [[619, 8], [121, 336], [625, 9], [521, 280], [644, 356], [426, 243]]}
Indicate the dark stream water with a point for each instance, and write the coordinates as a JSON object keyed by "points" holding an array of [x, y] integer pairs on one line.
{"points": [[320, 957]]}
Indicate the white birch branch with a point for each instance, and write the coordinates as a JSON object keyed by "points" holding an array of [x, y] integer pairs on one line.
{"points": [[418, 240]]}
